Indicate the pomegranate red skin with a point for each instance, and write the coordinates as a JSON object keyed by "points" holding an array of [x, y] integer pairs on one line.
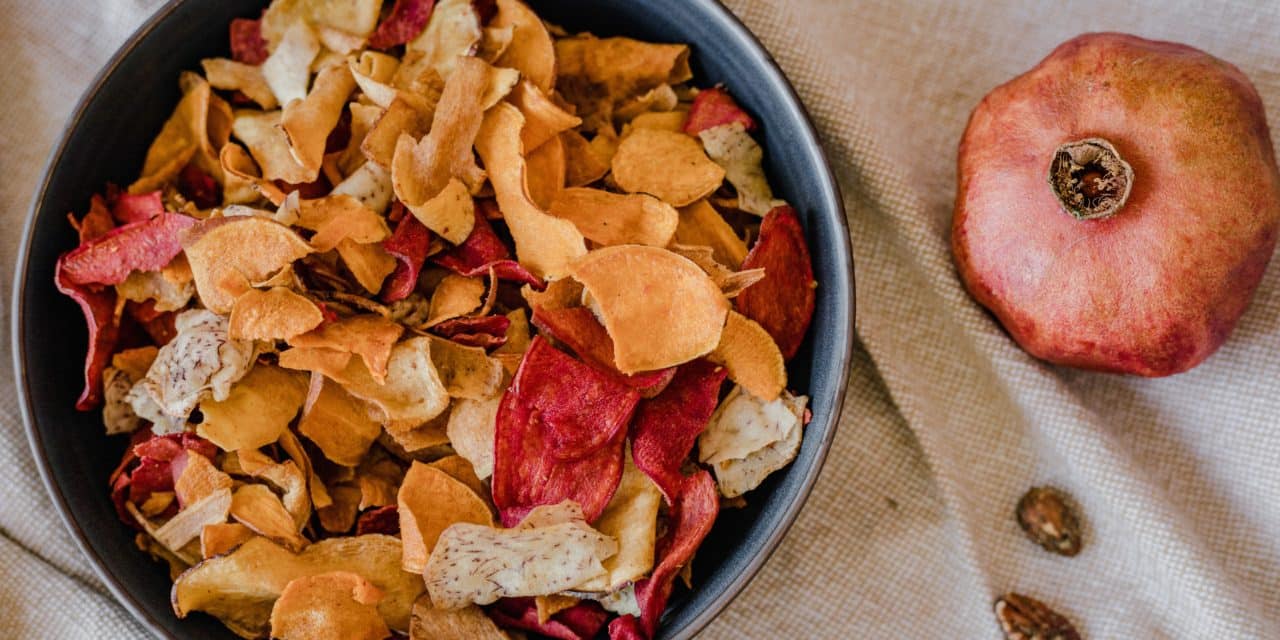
{"points": [[1158, 287]]}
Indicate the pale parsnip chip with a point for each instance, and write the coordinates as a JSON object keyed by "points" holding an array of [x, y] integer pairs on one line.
{"points": [[432, 623], [430, 501], [413, 393], [257, 507], [543, 119], [471, 428], [308, 121], [399, 118], [187, 524], [744, 424], [338, 424], [290, 477], [731, 282], [195, 132], [607, 218], [751, 357], [338, 605], [227, 74], [450, 213], [372, 337], [467, 372], [678, 318], [582, 165], [200, 362], [731, 147], [631, 518], [475, 564], [666, 164], [232, 254], [455, 296], [530, 50], [275, 314], [217, 539], [373, 72], [363, 119], [256, 411], [369, 263], [545, 172], [337, 217], [544, 244], [244, 182], [357, 17], [453, 32], [169, 294], [370, 185], [260, 132], [462, 471], [700, 224], [288, 69], [240, 587], [736, 476]]}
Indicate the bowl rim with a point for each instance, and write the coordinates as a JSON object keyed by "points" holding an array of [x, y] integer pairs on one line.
{"points": [[771, 73]]}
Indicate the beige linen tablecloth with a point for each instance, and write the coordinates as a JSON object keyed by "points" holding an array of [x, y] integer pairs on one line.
{"points": [[909, 532]]}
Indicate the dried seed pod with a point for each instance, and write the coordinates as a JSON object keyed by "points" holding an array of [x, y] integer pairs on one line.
{"points": [[1049, 519], [1024, 618]]}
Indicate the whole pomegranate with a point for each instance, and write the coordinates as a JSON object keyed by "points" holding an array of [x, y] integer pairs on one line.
{"points": [[1118, 204]]}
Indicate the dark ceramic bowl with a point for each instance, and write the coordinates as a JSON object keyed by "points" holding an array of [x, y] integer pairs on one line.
{"points": [[106, 140]]}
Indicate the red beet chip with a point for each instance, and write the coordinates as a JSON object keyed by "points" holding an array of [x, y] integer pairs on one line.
{"points": [[247, 43], [665, 428], [407, 19], [582, 621], [131, 207], [408, 245], [99, 309], [560, 431], [691, 518], [626, 628], [166, 448], [96, 223], [783, 301], [199, 187], [712, 108], [142, 246], [150, 476], [484, 249], [579, 330], [481, 331], [384, 520]]}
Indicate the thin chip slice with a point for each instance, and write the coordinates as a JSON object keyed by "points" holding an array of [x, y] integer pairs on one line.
{"points": [[751, 357], [369, 336], [434, 623], [455, 296], [582, 165], [240, 587], [338, 605], [261, 134], [475, 564], [409, 246], [737, 476], [425, 442], [715, 107], [244, 183], [580, 621], [459, 469], [413, 394], [450, 213], [369, 263], [731, 147], [186, 526], [671, 166], [218, 539], [783, 302], [370, 185], [356, 18], [338, 424], [467, 372], [337, 217], [148, 245], [578, 329], [543, 118], [732, 283], [666, 427], [230, 75], [289, 477], [400, 117], [471, 428], [429, 502], [744, 424], [454, 31], [275, 314], [193, 134], [544, 244], [679, 317], [701, 225], [607, 218], [330, 362], [256, 411], [195, 477], [632, 519], [664, 120], [288, 69], [545, 172], [256, 507], [229, 254], [530, 50]]}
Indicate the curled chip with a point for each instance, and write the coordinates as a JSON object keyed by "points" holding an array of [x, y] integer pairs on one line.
{"points": [[369, 263], [731, 147], [483, 251], [338, 605], [610, 218], [186, 526], [239, 588], [330, 362], [275, 314], [701, 225], [471, 429], [578, 329], [580, 621], [255, 411], [194, 133], [453, 32], [666, 427], [413, 393], [467, 372], [256, 507], [371, 337], [543, 118], [783, 302], [678, 318], [715, 107], [148, 245], [731, 282], [430, 623], [229, 254], [455, 296], [582, 165], [751, 357], [475, 564], [475, 331], [545, 244], [748, 439], [429, 502], [238, 76], [560, 433], [339, 217], [408, 245], [671, 166], [338, 424], [260, 132], [195, 477], [530, 50], [288, 68], [98, 308]]}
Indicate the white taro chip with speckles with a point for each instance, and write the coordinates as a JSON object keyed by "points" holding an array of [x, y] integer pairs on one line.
{"points": [[748, 439], [117, 414], [200, 362], [475, 564], [731, 147]]}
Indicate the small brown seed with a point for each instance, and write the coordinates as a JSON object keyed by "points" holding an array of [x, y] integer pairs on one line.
{"points": [[1025, 618], [1046, 515]]}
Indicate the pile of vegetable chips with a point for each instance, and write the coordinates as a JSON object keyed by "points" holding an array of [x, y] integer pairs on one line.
{"points": [[435, 320]]}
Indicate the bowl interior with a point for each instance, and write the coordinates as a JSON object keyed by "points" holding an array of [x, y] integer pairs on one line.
{"points": [[107, 140]]}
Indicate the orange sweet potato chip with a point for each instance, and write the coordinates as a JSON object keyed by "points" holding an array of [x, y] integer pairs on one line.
{"points": [[244, 182], [666, 164], [429, 501], [399, 118], [217, 539], [582, 165], [607, 218], [330, 362], [413, 393], [256, 411], [194, 133], [678, 318], [275, 314], [338, 424], [731, 282], [261, 134], [197, 479], [339, 605], [231, 75], [228, 255], [368, 262], [751, 357], [531, 50], [462, 471], [545, 172], [339, 217], [256, 507], [369, 336], [543, 118], [307, 123], [701, 225], [455, 296]]}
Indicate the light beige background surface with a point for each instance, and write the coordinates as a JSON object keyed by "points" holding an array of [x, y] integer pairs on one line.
{"points": [[909, 533]]}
